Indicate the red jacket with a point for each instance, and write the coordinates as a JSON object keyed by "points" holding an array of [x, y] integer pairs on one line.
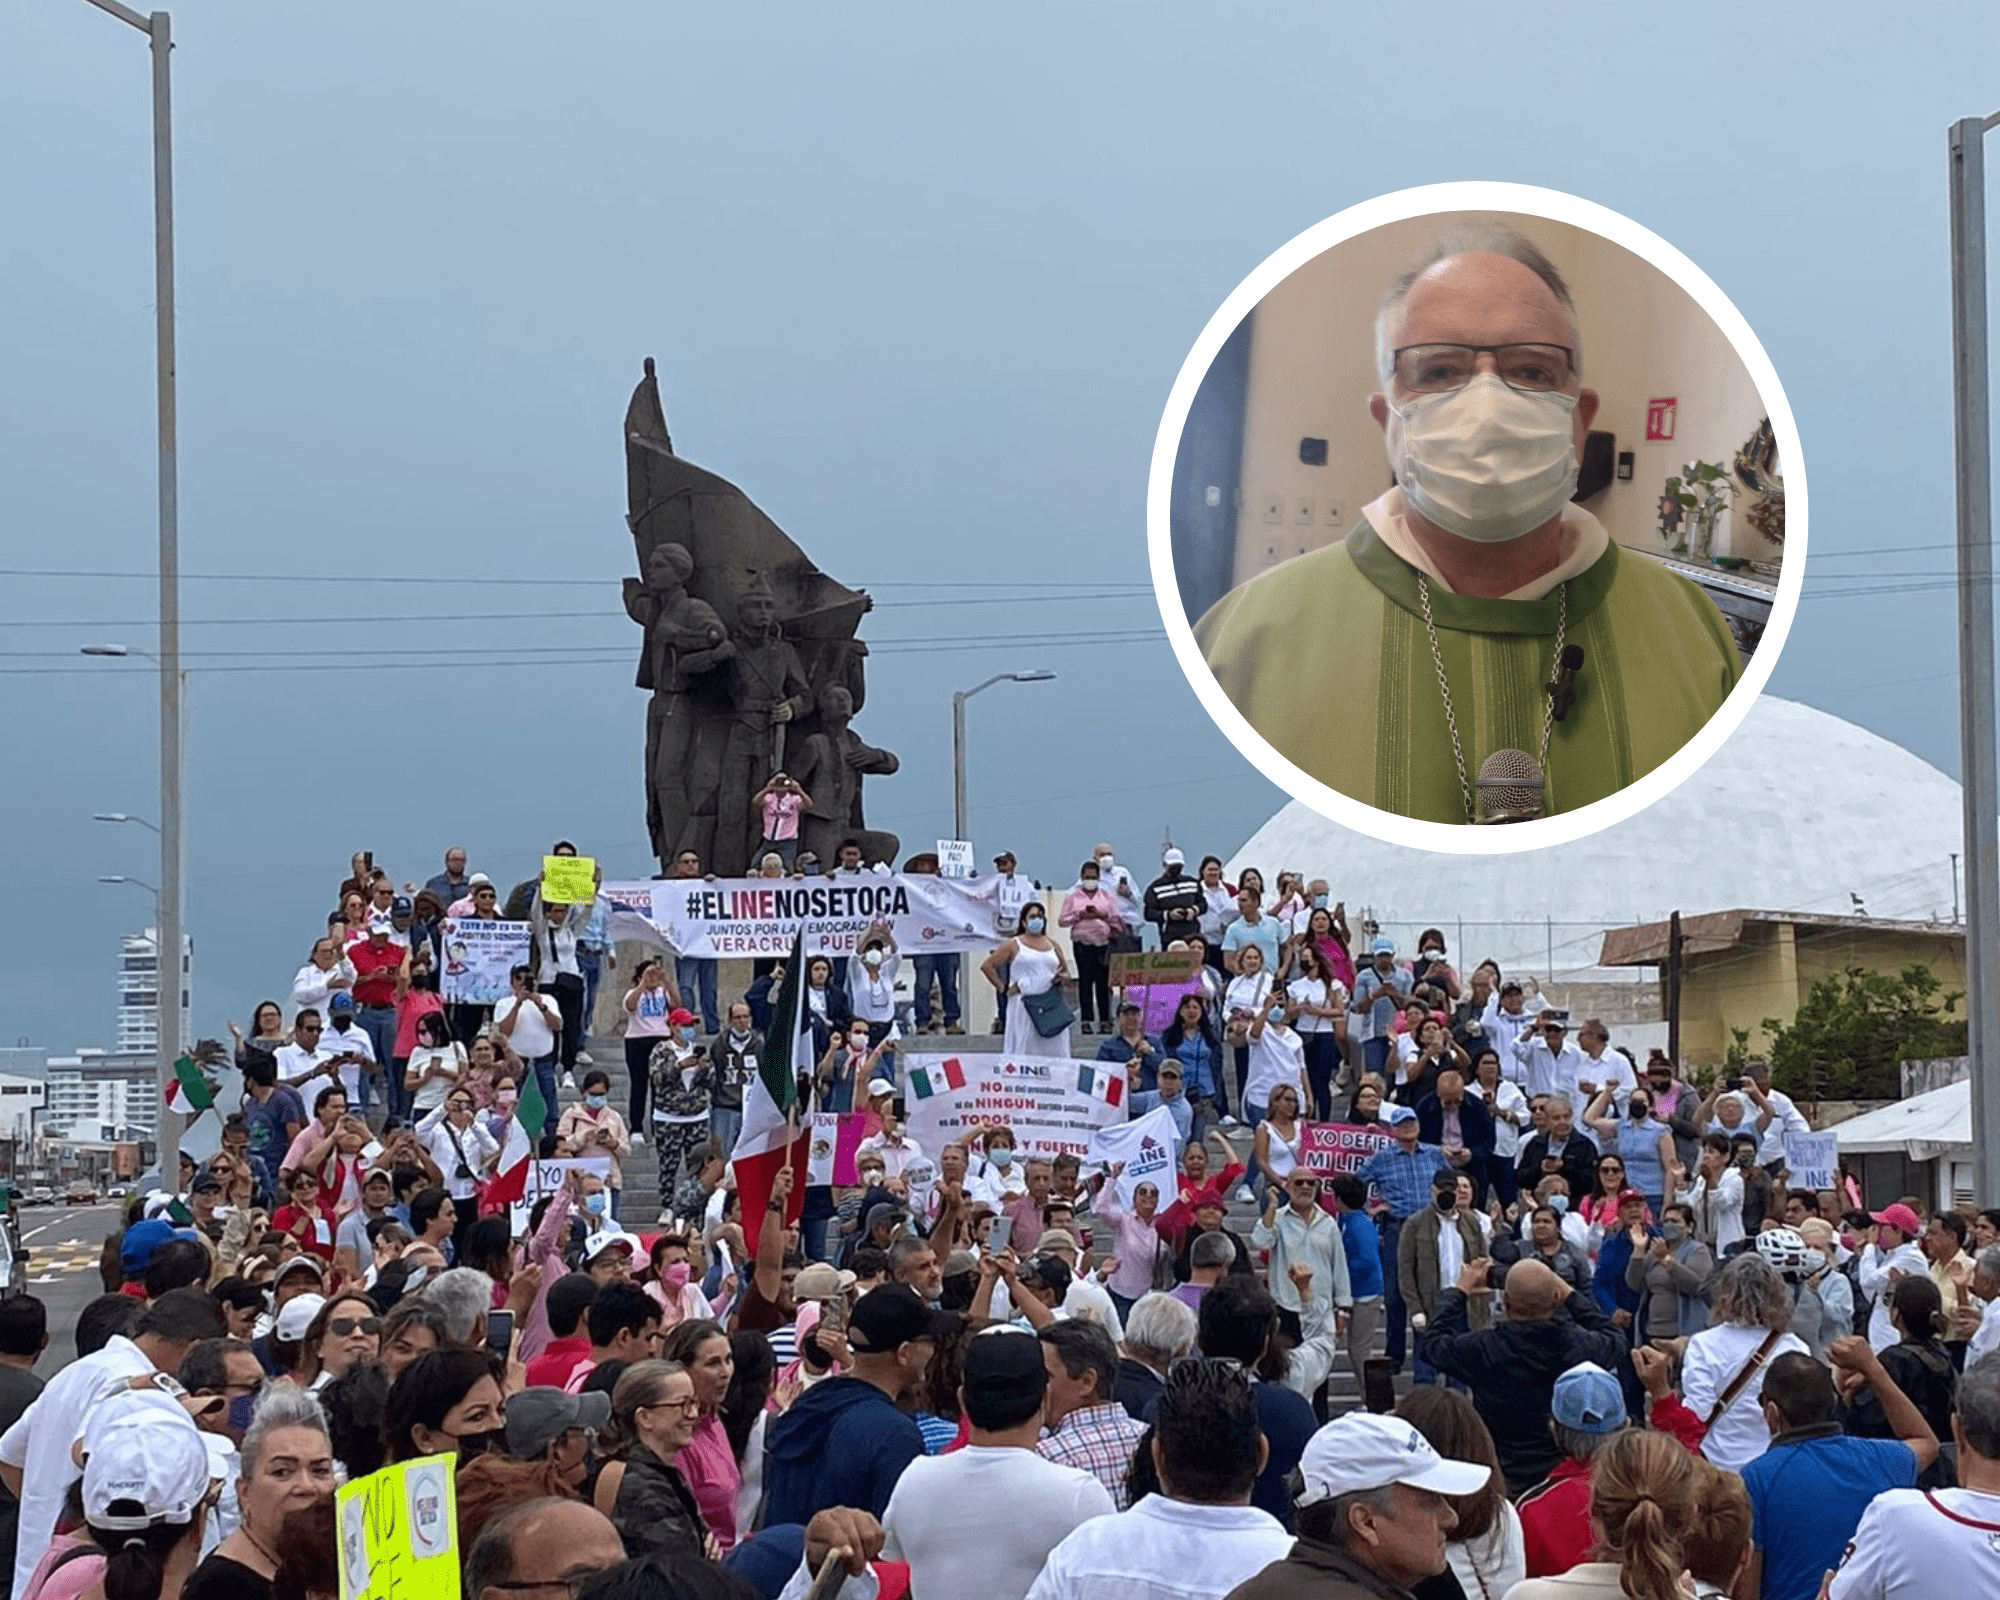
{"points": [[552, 1368], [1555, 1514]]}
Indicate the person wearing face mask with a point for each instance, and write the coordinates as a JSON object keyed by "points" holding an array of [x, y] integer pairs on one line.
{"points": [[1432, 1249], [1672, 1273], [447, 1403], [1026, 972], [595, 1128], [1095, 919], [1643, 1142], [463, 1150], [1463, 584], [871, 988]]}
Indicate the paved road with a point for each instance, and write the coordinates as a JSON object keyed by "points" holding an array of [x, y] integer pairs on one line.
{"points": [[63, 1244]]}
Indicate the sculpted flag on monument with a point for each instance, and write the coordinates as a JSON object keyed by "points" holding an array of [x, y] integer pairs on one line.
{"points": [[1149, 1147], [736, 917], [1038, 1097], [477, 957]]}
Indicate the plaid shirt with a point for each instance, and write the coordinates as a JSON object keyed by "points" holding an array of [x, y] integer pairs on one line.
{"points": [[1403, 1178], [1098, 1440]]}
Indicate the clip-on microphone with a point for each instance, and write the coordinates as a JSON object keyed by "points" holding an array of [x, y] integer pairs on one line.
{"points": [[1562, 693]]}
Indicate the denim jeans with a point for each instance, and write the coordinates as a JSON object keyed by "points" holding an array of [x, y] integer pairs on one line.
{"points": [[379, 1023], [945, 970], [1376, 1053], [694, 976], [591, 964], [545, 1079], [1391, 1229], [726, 1124]]}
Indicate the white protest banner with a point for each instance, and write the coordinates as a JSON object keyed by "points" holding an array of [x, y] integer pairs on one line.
{"points": [[545, 1177], [477, 957], [1149, 1147], [1052, 1105], [761, 916], [955, 858], [1813, 1158]]}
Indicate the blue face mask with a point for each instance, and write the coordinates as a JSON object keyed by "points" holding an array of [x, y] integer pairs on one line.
{"points": [[1559, 1203], [1276, 1014], [240, 1408], [1001, 1155], [596, 1102], [597, 1204]]}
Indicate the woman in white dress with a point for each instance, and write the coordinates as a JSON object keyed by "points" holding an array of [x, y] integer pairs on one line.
{"points": [[1033, 965], [1276, 1141]]}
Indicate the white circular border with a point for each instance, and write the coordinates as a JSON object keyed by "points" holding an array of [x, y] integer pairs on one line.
{"points": [[1454, 838]]}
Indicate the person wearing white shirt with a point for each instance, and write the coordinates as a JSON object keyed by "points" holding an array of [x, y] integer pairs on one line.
{"points": [[35, 1453], [1505, 1019], [1119, 885], [1507, 1105], [994, 1508], [1786, 1118], [1985, 1286], [327, 973], [345, 1042], [530, 1023], [1545, 1062], [1301, 1234], [1196, 1538], [1751, 1308], [301, 1061], [1893, 1254], [461, 1147], [1601, 1065], [1716, 1194]]}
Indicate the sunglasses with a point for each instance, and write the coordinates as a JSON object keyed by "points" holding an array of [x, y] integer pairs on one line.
{"points": [[344, 1327]]}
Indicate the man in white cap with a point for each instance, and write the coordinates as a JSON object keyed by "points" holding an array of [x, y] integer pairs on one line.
{"points": [[1174, 901], [892, 1142], [1373, 1514]]}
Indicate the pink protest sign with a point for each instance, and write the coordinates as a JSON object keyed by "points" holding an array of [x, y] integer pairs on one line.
{"points": [[1334, 1147]]}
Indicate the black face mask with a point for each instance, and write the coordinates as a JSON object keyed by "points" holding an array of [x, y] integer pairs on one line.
{"points": [[473, 1445], [1637, 1110]]}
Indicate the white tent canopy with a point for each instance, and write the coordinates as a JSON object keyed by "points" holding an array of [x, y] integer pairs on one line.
{"points": [[1924, 1127], [1787, 816]]}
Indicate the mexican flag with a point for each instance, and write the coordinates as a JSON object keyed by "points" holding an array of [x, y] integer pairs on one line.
{"points": [[1100, 1084], [935, 1079], [772, 1135], [190, 1093], [510, 1175]]}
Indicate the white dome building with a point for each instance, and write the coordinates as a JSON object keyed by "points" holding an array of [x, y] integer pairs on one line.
{"points": [[1799, 811]]}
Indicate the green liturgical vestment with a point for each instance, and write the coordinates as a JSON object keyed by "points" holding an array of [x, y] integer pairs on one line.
{"points": [[1328, 658]]}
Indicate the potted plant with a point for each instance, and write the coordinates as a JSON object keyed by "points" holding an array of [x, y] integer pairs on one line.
{"points": [[1705, 490]]}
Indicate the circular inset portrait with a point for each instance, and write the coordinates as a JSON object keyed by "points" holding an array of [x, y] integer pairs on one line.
{"points": [[1477, 504]]}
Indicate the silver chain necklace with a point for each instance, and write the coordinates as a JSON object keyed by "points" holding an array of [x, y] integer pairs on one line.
{"points": [[1451, 721]]}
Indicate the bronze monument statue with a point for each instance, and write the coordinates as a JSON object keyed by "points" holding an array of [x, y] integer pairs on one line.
{"points": [[752, 657]]}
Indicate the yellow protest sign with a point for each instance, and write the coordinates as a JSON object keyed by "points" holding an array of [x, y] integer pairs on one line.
{"points": [[399, 1533], [569, 880]]}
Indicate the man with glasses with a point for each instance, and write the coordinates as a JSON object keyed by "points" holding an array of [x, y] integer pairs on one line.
{"points": [[694, 976], [556, 1430], [1460, 588]]}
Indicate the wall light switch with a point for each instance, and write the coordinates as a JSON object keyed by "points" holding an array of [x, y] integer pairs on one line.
{"points": [[1270, 553], [1330, 515], [1274, 508], [1302, 511]]}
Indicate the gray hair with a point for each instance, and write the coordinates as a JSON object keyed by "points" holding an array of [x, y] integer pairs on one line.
{"points": [[1576, 1444], [464, 1295], [1212, 1250], [1160, 1329], [1749, 1293], [1329, 1521], [903, 1251], [1988, 1262], [1469, 238], [1979, 1406], [282, 1405]]}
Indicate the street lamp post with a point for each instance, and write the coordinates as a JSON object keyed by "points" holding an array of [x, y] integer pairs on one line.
{"points": [[959, 823], [158, 29], [1979, 780]]}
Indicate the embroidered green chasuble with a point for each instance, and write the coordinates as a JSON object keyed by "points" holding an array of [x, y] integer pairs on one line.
{"points": [[1328, 658]]}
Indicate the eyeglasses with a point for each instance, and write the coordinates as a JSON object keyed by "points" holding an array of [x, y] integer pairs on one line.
{"points": [[687, 1407], [1609, 1166], [342, 1327], [1440, 368]]}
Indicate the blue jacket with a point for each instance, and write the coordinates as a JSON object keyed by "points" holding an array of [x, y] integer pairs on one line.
{"points": [[1118, 1050], [842, 1443], [1362, 1238], [1608, 1286]]}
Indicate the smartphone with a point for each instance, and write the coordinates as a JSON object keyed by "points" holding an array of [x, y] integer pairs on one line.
{"points": [[998, 1235], [500, 1333]]}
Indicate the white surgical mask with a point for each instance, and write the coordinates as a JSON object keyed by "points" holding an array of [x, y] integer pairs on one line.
{"points": [[873, 958], [1485, 462], [1104, 863]]}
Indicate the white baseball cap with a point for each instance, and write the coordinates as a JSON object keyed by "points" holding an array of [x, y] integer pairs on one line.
{"points": [[148, 1458], [295, 1316], [1362, 1451], [606, 1239]]}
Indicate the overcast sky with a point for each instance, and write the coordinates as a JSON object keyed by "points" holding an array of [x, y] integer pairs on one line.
{"points": [[918, 279]]}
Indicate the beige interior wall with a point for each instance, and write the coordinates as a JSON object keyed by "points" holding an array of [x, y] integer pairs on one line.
{"points": [[1312, 369]]}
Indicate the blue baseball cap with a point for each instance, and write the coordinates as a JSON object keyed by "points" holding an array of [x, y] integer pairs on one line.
{"points": [[135, 1249], [340, 1000], [1395, 1115], [1588, 1399]]}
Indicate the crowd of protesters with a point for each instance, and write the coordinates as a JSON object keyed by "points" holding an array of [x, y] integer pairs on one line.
{"points": [[1636, 1361]]}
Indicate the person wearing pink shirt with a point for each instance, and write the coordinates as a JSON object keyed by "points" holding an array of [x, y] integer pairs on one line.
{"points": [[1094, 920], [780, 803], [1136, 1246]]}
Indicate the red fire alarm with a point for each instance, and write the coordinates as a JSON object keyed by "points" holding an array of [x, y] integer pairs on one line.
{"points": [[1660, 419]]}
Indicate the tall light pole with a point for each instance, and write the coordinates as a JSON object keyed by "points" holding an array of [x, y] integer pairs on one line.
{"points": [[1979, 779], [958, 818], [158, 29], [958, 699]]}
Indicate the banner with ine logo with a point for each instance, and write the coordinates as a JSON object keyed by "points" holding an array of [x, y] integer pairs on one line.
{"points": [[1052, 1104]]}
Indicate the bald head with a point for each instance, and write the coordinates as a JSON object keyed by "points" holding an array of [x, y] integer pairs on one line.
{"points": [[1533, 1292]]}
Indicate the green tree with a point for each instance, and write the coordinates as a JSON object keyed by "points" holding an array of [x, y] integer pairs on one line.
{"points": [[1853, 1029]]}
